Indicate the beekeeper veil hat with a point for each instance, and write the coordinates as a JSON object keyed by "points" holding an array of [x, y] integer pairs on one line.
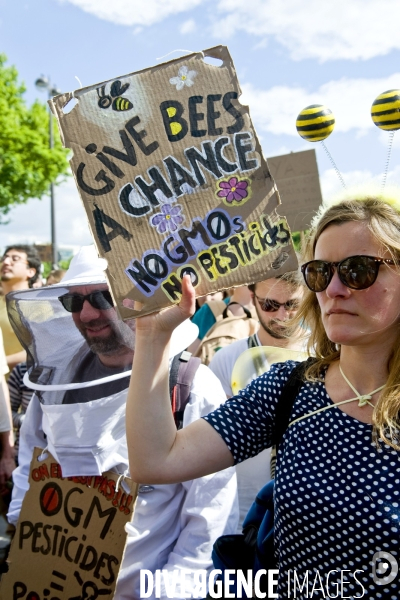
{"points": [[47, 331]]}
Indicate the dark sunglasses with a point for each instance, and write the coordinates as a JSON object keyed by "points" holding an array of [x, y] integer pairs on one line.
{"points": [[355, 272], [268, 305], [73, 303]]}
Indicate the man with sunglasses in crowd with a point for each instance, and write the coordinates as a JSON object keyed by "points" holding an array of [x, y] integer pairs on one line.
{"points": [[83, 340], [276, 301]]}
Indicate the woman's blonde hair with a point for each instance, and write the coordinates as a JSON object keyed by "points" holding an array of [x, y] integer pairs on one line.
{"points": [[382, 217]]}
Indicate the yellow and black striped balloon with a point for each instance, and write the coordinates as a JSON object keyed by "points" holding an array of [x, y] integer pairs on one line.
{"points": [[315, 122], [385, 110]]}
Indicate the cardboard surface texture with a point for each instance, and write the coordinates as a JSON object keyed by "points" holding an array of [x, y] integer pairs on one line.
{"points": [[173, 180], [296, 175], [70, 537]]}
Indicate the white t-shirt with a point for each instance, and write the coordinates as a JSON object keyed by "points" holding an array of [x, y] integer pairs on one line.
{"points": [[254, 473], [224, 360], [3, 360], [5, 422]]}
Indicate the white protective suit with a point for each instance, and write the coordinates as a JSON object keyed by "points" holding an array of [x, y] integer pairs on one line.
{"points": [[173, 526]]}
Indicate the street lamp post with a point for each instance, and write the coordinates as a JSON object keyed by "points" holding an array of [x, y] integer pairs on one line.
{"points": [[43, 83]]}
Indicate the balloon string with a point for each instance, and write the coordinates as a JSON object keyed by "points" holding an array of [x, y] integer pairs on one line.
{"points": [[388, 159], [333, 165]]}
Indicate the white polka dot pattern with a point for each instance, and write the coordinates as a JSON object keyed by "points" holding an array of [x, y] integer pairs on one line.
{"points": [[337, 498]]}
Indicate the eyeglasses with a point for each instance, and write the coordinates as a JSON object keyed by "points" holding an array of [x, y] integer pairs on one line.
{"points": [[14, 258], [355, 272], [100, 299], [268, 305]]}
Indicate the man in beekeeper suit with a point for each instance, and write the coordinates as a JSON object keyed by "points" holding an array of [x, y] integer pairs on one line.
{"points": [[74, 337]]}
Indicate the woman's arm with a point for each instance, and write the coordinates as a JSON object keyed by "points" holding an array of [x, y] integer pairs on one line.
{"points": [[14, 359], [158, 453]]}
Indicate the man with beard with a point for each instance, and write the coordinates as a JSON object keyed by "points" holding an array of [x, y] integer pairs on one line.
{"points": [[82, 340], [276, 301], [110, 340]]}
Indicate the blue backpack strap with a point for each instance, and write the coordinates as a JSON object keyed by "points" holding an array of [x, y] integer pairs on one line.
{"points": [[285, 405], [286, 401]]}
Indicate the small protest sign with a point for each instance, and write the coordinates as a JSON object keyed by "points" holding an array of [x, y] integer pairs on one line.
{"points": [[45, 252], [70, 536], [172, 177], [296, 175]]}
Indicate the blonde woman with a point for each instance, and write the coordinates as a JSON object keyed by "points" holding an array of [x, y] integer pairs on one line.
{"points": [[337, 491]]}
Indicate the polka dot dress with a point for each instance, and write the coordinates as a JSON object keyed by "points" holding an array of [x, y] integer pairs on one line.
{"points": [[337, 498]]}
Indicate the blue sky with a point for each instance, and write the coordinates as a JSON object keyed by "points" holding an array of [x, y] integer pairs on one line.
{"points": [[288, 54]]}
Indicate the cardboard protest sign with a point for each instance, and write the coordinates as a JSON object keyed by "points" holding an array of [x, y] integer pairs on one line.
{"points": [[172, 177], [70, 537], [296, 175]]}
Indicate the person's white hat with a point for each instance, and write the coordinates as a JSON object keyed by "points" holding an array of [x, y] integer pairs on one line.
{"points": [[87, 268]]}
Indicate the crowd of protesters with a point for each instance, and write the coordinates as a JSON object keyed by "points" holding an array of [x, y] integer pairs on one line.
{"points": [[337, 484]]}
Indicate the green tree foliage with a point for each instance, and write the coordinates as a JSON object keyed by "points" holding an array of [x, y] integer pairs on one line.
{"points": [[298, 238], [27, 165], [62, 264]]}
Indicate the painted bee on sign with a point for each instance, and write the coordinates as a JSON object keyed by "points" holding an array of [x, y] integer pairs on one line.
{"points": [[119, 103]]}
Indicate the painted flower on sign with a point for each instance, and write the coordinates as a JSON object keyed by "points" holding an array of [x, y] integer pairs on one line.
{"points": [[185, 77], [168, 219], [233, 190]]}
